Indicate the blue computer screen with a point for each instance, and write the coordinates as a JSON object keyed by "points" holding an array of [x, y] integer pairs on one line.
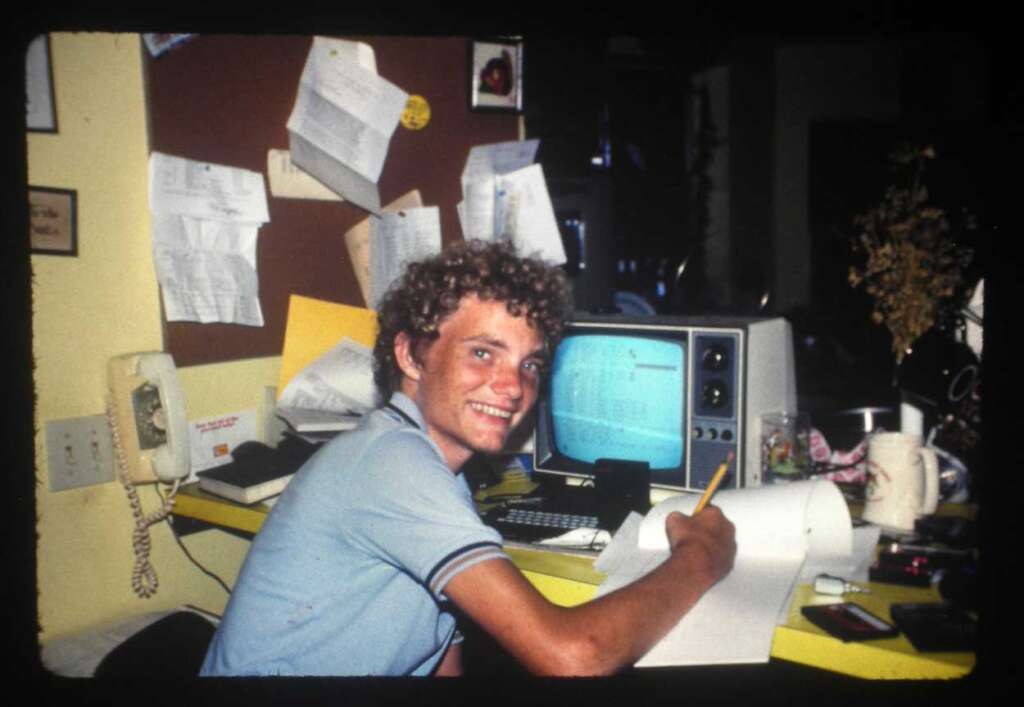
{"points": [[619, 397]]}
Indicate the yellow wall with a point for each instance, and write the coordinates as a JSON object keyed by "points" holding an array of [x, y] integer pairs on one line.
{"points": [[94, 306]]}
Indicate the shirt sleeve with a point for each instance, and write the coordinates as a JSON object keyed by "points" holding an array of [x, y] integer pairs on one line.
{"points": [[416, 514]]}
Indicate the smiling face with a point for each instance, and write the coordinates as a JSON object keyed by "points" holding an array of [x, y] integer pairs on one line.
{"points": [[476, 381]]}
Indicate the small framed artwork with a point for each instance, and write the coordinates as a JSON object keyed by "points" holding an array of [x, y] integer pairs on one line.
{"points": [[496, 75], [53, 221], [40, 107]]}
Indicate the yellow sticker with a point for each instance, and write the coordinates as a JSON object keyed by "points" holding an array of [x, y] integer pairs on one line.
{"points": [[416, 114]]}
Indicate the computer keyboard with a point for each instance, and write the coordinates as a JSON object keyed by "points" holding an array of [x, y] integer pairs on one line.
{"points": [[531, 524]]}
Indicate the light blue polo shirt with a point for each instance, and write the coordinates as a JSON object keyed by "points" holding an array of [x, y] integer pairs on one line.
{"points": [[347, 574]]}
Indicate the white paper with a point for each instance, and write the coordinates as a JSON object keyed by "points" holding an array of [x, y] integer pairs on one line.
{"points": [[483, 165], [206, 191], [339, 381], [343, 119], [397, 239], [524, 214], [357, 240], [810, 516], [783, 533], [476, 210], [498, 158], [205, 219], [206, 269], [287, 181], [213, 438], [505, 196]]}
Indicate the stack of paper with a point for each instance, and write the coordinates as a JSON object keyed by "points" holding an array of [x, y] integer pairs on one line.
{"points": [[784, 534], [326, 379], [505, 197], [341, 380], [205, 219], [343, 119]]}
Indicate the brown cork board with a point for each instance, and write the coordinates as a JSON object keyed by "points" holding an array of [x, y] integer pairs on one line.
{"points": [[226, 99]]}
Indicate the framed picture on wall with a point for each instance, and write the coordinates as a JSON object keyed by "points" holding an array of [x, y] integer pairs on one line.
{"points": [[53, 224], [496, 75], [40, 108]]}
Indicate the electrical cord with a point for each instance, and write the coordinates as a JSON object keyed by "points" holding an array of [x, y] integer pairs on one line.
{"points": [[193, 560]]}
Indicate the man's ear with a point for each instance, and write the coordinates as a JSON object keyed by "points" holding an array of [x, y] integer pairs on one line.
{"points": [[404, 357]]}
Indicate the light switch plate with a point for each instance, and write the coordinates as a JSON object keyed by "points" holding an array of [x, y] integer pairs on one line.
{"points": [[79, 451]]}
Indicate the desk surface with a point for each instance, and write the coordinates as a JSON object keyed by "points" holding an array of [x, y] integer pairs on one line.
{"points": [[568, 579]]}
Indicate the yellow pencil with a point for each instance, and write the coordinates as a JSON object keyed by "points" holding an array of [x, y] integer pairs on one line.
{"points": [[715, 480]]}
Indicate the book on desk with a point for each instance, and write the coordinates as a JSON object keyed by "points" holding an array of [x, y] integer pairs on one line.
{"points": [[257, 471]]}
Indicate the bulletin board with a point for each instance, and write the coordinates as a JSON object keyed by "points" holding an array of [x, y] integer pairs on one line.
{"points": [[226, 99]]}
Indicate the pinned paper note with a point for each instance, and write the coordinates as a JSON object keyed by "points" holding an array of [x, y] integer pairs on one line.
{"points": [[288, 181], [343, 119], [397, 239], [205, 222], [357, 240], [524, 214], [505, 197]]}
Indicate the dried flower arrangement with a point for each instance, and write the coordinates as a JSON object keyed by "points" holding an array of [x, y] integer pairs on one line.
{"points": [[914, 266]]}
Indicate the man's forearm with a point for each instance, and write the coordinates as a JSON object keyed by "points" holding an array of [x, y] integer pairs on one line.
{"points": [[623, 625]]}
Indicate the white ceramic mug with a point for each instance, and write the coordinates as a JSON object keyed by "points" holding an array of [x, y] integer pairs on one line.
{"points": [[903, 481]]}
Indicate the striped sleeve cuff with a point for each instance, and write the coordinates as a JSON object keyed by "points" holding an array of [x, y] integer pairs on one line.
{"points": [[461, 559]]}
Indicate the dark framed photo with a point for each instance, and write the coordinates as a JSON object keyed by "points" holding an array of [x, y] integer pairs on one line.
{"points": [[496, 75], [53, 227], [40, 106]]}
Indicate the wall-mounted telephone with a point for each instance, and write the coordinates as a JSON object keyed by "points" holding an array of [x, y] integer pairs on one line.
{"points": [[149, 411], [151, 442]]}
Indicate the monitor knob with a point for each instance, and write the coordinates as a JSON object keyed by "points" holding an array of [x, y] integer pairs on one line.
{"points": [[713, 394], [714, 358]]}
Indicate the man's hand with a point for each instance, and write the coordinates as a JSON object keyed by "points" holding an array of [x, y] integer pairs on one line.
{"points": [[612, 631], [707, 539]]}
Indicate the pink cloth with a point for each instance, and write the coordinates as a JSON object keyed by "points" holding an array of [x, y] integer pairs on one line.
{"points": [[823, 453]]}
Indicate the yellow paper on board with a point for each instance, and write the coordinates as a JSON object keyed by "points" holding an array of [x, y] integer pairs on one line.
{"points": [[315, 326]]}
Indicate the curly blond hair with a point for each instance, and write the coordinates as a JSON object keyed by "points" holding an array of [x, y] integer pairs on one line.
{"points": [[431, 290]]}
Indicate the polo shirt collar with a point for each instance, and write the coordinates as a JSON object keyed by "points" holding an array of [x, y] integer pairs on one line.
{"points": [[407, 406]]}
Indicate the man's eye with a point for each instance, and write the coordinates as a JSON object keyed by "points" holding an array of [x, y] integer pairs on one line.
{"points": [[481, 353], [535, 367]]}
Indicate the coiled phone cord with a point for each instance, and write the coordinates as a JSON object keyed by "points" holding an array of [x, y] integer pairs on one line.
{"points": [[144, 579]]}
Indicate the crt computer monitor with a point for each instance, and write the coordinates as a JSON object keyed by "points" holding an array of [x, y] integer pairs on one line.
{"points": [[676, 393]]}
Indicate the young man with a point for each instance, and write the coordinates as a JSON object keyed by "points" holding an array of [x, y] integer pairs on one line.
{"points": [[357, 565]]}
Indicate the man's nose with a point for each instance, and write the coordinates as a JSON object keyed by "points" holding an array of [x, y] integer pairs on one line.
{"points": [[508, 382]]}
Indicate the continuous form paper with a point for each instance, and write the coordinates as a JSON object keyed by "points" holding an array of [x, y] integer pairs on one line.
{"points": [[524, 212], [505, 196], [357, 240], [397, 239], [205, 221], [784, 533], [479, 183], [343, 119], [341, 380]]}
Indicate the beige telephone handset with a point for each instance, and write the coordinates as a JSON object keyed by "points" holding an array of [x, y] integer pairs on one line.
{"points": [[151, 441]]}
